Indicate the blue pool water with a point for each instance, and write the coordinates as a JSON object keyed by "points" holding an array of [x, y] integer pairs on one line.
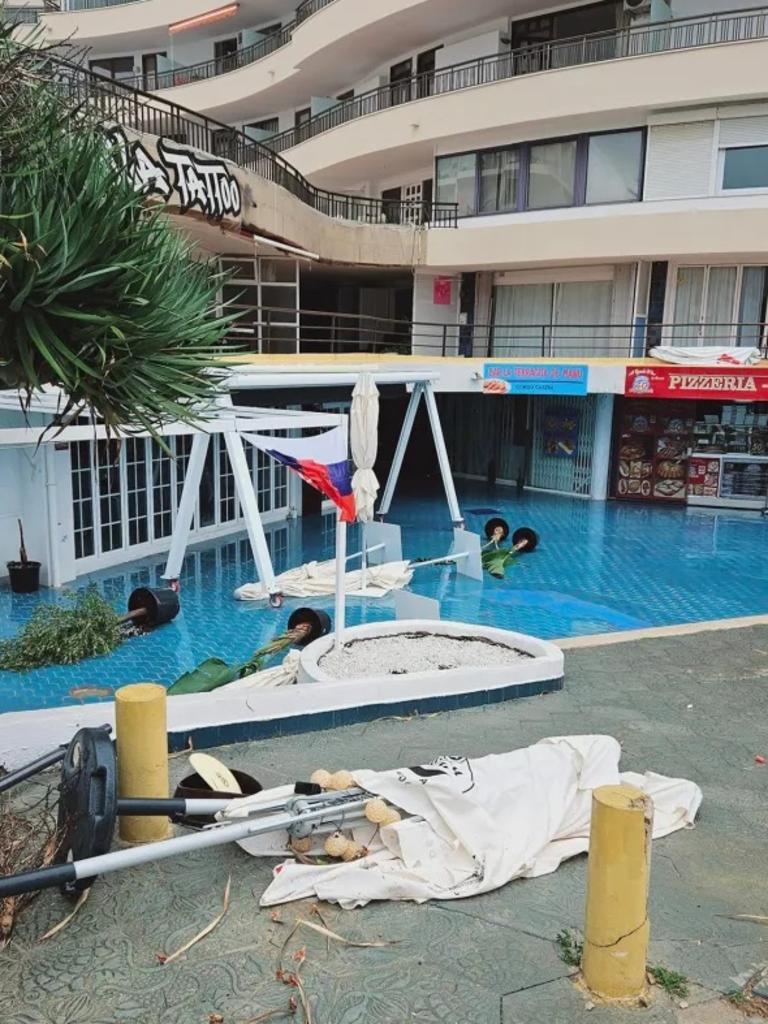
{"points": [[599, 567]]}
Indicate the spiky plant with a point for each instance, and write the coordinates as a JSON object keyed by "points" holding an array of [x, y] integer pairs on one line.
{"points": [[99, 295]]}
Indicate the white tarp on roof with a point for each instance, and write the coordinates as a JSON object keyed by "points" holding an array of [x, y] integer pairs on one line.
{"points": [[475, 823], [706, 355]]}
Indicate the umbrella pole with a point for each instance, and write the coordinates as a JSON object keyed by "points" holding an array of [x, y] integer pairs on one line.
{"points": [[341, 571], [364, 564]]}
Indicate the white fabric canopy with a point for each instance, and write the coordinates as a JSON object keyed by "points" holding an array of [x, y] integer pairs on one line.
{"points": [[706, 355], [364, 440], [475, 824], [318, 578]]}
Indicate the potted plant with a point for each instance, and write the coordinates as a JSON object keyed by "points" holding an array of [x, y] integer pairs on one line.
{"points": [[24, 574]]}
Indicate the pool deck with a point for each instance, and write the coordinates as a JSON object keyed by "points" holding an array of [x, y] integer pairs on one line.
{"points": [[689, 705]]}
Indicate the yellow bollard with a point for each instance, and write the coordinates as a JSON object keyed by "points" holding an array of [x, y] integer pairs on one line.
{"points": [[142, 756], [618, 873]]}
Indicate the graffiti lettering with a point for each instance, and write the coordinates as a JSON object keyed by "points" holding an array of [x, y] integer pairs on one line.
{"points": [[202, 184], [205, 184]]}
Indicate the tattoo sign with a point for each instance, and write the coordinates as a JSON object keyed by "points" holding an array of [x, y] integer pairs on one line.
{"points": [[200, 183]]}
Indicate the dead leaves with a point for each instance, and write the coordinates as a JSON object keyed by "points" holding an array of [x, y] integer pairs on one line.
{"points": [[166, 959], [68, 919]]}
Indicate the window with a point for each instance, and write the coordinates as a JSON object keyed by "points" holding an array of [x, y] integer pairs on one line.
{"points": [[114, 67], [552, 175], [456, 182], [614, 167], [302, 116], [606, 167], [745, 167], [722, 305], [499, 176], [262, 129], [136, 479], [344, 96], [82, 498]]}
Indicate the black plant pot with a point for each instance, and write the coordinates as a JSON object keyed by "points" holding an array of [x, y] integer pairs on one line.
{"points": [[24, 576]]}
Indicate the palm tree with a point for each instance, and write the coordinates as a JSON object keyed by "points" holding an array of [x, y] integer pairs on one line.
{"points": [[99, 294]]}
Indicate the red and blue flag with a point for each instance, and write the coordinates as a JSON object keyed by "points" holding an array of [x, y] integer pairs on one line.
{"points": [[321, 461]]}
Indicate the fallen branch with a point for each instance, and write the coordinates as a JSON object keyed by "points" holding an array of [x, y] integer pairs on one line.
{"points": [[340, 938], [200, 935], [68, 919]]}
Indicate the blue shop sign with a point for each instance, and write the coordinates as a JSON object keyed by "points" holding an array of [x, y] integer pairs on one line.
{"points": [[534, 379]]}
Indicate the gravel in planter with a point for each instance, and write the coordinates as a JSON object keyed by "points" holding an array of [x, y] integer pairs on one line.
{"points": [[401, 653]]}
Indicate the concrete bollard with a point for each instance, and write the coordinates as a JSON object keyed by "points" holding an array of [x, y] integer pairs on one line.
{"points": [[618, 873], [142, 756]]}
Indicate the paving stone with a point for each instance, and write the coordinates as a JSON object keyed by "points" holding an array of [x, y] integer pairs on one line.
{"points": [[483, 960]]}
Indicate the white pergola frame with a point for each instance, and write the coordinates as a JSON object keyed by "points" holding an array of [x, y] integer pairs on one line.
{"points": [[233, 421]]}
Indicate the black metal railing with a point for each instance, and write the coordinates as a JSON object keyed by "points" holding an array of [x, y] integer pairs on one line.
{"points": [[25, 14], [120, 104], [323, 331], [636, 41], [184, 75], [91, 5]]}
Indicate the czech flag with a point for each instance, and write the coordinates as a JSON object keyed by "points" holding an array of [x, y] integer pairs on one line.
{"points": [[320, 461]]}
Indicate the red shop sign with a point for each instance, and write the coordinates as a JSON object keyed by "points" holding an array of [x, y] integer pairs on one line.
{"points": [[750, 384]]}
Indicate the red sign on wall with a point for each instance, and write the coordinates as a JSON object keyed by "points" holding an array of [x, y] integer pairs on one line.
{"points": [[441, 291], [750, 384]]}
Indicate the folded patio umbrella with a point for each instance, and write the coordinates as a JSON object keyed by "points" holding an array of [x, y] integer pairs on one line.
{"points": [[314, 579], [474, 823]]}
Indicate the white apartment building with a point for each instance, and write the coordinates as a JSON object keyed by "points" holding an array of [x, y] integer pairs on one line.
{"points": [[508, 181]]}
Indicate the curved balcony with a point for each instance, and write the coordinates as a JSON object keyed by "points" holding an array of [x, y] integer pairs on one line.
{"points": [[717, 229], [497, 101], [534, 64], [150, 115]]}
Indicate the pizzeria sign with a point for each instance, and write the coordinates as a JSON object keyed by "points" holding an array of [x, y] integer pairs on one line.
{"points": [[750, 384]]}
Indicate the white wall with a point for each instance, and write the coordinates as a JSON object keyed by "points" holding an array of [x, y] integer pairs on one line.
{"points": [[485, 44], [428, 338], [22, 496], [692, 8]]}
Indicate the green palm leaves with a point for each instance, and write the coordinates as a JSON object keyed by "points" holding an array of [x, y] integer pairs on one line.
{"points": [[99, 294]]}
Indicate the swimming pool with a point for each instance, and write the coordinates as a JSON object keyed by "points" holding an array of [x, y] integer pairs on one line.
{"points": [[599, 567]]}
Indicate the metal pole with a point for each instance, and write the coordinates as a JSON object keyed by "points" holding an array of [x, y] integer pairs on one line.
{"points": [[250, 506], [442, 455], [341, 566], [187, 504], [402, 444]]}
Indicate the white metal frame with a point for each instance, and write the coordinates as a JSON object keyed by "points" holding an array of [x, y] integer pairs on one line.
{"points": [[422, 388]]}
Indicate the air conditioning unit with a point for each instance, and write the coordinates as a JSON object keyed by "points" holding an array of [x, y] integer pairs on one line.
{"points": [[637, 6]]}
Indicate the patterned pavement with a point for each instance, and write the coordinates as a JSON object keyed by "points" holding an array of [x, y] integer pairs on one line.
{"points": [[691, 706]]}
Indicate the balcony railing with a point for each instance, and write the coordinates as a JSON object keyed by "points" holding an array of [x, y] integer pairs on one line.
{"points": [[25, 14], [323, 331], [642, 40], [115, 102], [186, 74]]}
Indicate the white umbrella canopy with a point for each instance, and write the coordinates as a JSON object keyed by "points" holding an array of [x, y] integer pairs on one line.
{"points": [[364, 441]]}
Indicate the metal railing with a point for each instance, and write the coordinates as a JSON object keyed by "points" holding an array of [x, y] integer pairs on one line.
{"points": [[323, 331], [25, 14], [637, 41], [118, 103], [184, 75], [91, 5]]}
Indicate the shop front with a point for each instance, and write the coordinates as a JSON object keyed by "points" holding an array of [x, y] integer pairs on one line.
{"points": [[693, 435]]}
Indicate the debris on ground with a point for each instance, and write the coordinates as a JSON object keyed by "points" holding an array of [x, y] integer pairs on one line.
{"points": [[163, 959]]}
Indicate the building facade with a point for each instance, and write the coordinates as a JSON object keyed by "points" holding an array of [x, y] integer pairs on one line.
{"points": [[526, 196]]}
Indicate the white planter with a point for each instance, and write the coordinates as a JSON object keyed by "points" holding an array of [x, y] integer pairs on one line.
{"points": [[316, 702], [545, 663]]}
